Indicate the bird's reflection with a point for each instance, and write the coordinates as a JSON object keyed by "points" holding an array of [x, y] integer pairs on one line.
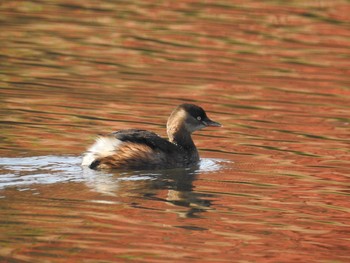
{"points": [[174, 187]]}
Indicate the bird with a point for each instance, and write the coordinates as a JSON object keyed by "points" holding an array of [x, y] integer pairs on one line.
{"points": [[145, 150]]}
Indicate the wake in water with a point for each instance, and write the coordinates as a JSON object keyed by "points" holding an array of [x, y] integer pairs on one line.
{"points": [[24, 172]]}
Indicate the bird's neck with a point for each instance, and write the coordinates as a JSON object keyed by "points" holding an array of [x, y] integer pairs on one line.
{"points": [[181, 137]]}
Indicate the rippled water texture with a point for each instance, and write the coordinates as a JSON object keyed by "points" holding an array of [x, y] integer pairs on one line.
{"points": [[273, 184]]}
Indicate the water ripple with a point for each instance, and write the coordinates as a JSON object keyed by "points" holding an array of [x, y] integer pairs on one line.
{"points": [[26, 171]]}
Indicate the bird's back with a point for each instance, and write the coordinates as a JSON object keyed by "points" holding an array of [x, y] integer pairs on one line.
{"points": [[134, 149]]}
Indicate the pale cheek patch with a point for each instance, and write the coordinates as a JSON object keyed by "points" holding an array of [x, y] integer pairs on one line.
{"points": [[103, 147]]}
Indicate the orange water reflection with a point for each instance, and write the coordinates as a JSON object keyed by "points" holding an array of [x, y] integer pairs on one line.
{"points": [[275, 74]]}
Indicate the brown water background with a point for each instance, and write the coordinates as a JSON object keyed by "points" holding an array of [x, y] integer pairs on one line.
{"points": [[273, 184]]}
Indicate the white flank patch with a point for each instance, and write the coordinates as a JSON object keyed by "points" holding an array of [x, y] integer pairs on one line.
{"points": [[103, 147]]}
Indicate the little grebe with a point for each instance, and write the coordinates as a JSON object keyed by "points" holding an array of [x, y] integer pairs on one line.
{"points": [[140, 149]]}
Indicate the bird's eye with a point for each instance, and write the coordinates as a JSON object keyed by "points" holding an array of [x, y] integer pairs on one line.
{"points": [[199, 118]]}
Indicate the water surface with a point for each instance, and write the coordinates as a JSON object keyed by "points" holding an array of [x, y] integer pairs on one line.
{"points": [[273, 184]]}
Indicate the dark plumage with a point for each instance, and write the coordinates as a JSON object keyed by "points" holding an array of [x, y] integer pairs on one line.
{"points": [[140, 149], [148, 138]]}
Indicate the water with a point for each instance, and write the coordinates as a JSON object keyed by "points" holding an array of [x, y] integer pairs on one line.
{"points": [[273, 183]]}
